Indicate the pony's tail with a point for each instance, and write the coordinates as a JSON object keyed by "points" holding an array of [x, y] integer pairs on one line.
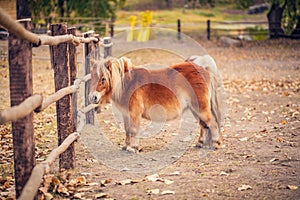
{"points": [[218, 99], [217, 92]]}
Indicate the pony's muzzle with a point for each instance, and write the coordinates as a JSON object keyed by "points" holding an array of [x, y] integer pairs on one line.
{"points": [[95, 97]]}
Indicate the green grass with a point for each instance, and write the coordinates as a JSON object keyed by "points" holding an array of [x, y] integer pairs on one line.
{"points": [[220, 13]]}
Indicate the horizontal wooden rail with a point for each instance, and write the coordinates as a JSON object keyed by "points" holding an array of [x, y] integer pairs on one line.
{"points": [[12, 26], [37, 103], [40, 169], [63, 92], [82, 117], [23, 109], [57, 96]]}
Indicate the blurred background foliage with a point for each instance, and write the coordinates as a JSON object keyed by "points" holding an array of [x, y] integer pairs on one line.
{"points": [[286, 13]]}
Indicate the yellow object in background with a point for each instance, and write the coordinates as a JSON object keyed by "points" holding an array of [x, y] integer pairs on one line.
{"points": [[144, 33], [132, 25]]}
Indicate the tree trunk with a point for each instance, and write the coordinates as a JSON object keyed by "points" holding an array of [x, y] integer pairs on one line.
{"points": [[296, 32], [169, 4], [274, 20], [61, 9], [23, 10]]}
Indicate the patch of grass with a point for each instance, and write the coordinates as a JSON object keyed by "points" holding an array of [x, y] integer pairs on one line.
{"points": [[204, 14], [218, 13]]}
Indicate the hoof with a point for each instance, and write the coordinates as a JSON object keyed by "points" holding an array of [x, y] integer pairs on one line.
{"points": [[205, 146], [199, 145], [130, 149]]}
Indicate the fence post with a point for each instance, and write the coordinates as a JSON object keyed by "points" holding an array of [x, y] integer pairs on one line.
{"points": [[88, 48], [208, 29], [178, 29], [20, 75], [108, 48], [65, 125], [73, 75], [112, 32]]}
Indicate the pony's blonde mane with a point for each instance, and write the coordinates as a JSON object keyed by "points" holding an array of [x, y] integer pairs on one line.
{"points": [[114, 71]]}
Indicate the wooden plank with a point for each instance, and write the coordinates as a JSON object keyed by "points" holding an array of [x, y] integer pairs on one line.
{"points": [[20, 75]]}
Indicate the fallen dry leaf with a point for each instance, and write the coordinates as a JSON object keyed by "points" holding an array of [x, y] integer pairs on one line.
{"points": [[283, 122], [168, 182], [243, 139], [101, 195], [129, 181], [78, 195], [292, 187], [48, 196], [92, 184], [176, 173], [153, 191], [223, 173], [245, 187], [81, 180], [63, 190], [273, 160], [165, 192], [106, 181], [153, 177]]}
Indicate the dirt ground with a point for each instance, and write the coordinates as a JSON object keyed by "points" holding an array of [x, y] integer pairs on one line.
{"points": [[261, 154]]}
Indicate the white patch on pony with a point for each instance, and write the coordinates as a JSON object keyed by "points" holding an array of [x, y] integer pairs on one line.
{"points": [[206, 61]]}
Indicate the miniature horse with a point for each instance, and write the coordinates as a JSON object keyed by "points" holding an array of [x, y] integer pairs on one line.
{"points": [[177, 88]]}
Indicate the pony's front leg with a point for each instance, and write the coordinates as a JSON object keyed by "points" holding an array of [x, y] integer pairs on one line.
{"points": [[132, 130]]}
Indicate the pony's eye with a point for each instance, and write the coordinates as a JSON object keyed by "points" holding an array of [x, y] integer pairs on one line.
{"points": [[103, 80]]}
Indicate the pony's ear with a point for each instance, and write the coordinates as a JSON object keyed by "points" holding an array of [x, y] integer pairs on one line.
{"points": [[127, 64], [108, 64]]}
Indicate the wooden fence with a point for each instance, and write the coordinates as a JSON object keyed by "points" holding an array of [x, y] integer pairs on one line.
{"points": [[63, 41], [243, 30]]}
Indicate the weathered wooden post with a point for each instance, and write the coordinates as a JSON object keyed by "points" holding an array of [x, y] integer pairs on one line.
{"points": [[107, 46], [178, 29], [73, 75], [88, 48], [65, 124], [208, 29], [20, 75]]}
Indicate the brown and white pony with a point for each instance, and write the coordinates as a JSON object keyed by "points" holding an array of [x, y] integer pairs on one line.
{"points": [[183, 86]]}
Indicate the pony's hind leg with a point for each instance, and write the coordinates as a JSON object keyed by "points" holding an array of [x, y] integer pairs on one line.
{"points": [[209, 135], [208, 129]]}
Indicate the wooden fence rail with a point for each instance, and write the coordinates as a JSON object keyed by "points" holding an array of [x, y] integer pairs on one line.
{"points": [[37, 103], [25, 108], [17, 29]]}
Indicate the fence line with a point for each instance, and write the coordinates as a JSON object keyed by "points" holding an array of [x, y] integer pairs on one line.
{"points": [[27, 176]]}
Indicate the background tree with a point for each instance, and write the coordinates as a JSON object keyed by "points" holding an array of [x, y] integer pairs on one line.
{"points": [[42, 9], [23, 10], [284, 18], [202, 3]]}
